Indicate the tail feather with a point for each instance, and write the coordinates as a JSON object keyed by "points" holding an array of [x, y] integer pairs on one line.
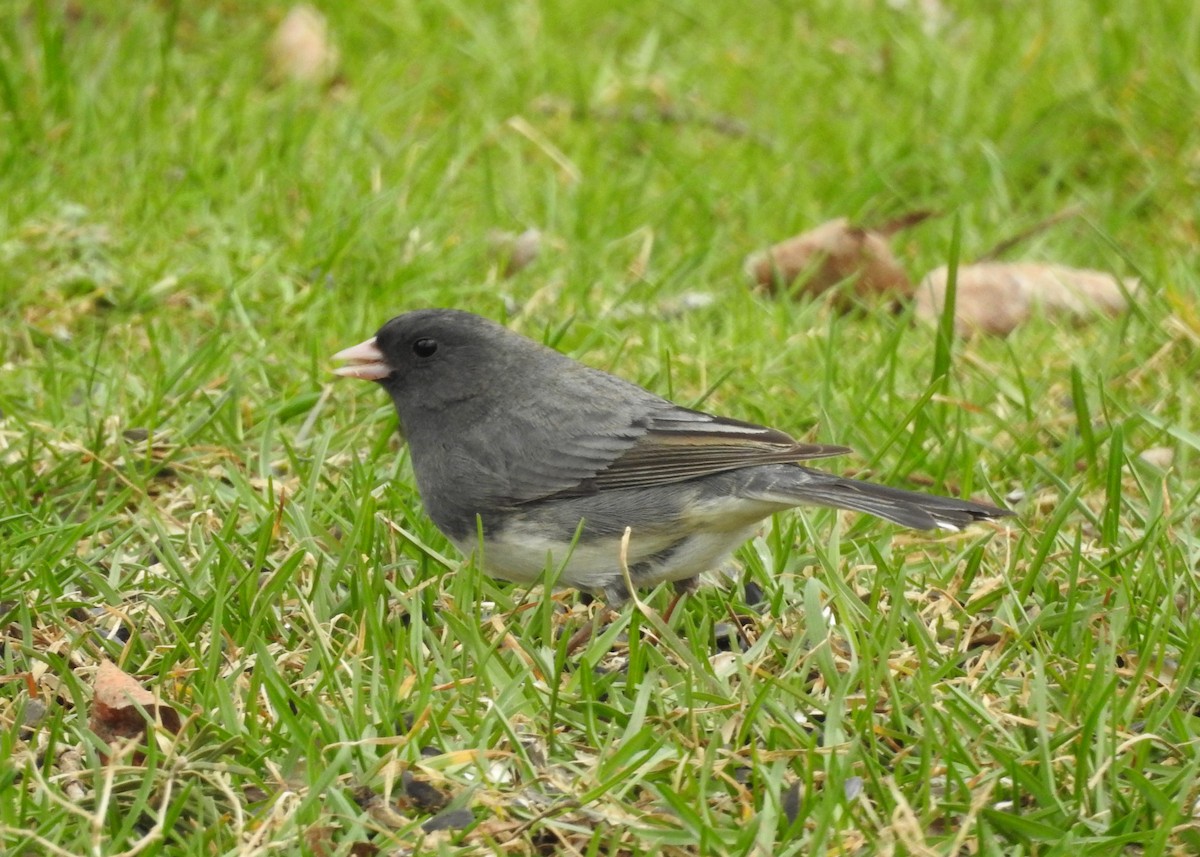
{"points": [[907, 508]]}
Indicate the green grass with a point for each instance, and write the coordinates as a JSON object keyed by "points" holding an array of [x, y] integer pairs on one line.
{"points": [[183, 245]]}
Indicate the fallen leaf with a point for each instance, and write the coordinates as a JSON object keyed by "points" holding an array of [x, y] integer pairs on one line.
{"points": [[423, 796], [301, 50], [997, 297], [320, 839], [833, 253], [984, 640], [118, 703]]}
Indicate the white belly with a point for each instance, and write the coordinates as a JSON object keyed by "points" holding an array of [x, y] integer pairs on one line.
{"points": [[521, 555]]}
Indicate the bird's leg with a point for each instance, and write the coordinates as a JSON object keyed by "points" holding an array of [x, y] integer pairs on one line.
{"points": [[614, 597], [583, 635], [682, 588]]}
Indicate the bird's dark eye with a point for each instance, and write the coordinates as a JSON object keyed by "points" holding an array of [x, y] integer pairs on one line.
{"points": [[425, 347]]}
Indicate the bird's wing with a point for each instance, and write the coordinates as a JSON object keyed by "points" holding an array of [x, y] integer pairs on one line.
{"points": [[678, 444]]}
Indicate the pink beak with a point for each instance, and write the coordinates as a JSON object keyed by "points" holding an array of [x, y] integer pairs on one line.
{"points": [[365, 361]]}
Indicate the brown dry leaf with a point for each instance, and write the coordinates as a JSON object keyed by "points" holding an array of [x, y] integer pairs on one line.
{"points": [[301, 50], [423, 796], [115, 714], [996, 297], [832, 253], [318, 840]]}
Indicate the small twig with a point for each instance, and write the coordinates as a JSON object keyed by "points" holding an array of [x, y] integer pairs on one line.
{"points": [[733, 617], [904, 221], [1042, 225], [721, 123], [549, 812]]}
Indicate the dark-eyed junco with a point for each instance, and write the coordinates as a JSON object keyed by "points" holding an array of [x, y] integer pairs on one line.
{"points": [[554, 459]]}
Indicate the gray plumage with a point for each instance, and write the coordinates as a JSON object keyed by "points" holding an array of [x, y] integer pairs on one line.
{"points": [[531, 443]]}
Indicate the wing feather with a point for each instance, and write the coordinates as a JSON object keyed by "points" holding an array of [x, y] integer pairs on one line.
{"points": [[682, 444]]}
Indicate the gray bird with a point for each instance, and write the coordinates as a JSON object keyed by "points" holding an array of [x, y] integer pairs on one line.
{"points": [[552, 460]]}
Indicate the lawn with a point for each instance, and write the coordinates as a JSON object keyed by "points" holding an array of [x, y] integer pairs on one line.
{"points": [[186, 237]]}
